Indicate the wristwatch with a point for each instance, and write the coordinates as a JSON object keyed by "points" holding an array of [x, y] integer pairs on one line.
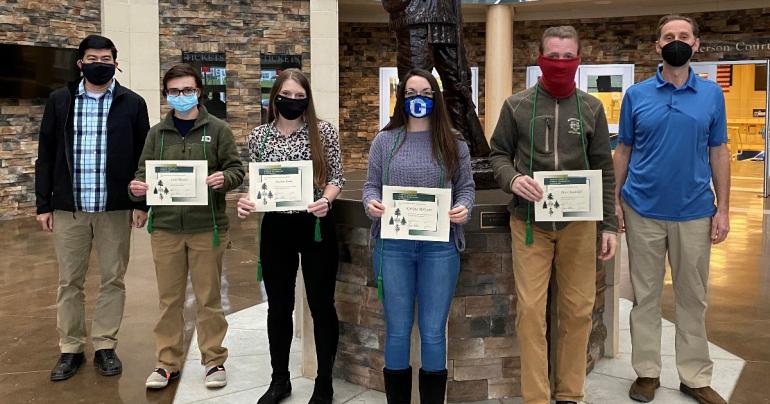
{"points": [[328, 202]]}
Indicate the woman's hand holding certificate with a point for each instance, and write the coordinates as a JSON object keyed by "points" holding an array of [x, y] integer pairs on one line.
{"points": [[416, 213]]}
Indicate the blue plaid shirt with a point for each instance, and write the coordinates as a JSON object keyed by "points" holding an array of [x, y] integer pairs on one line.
{"points": [[90, 150]]}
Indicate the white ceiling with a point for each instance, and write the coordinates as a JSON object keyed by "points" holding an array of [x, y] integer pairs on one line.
{"points": [[372, 11]]}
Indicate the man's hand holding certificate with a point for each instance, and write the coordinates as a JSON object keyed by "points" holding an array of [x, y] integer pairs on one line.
{"points": [[176, 182], [569, 196]]}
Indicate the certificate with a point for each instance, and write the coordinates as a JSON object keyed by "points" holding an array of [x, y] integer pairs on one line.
{"points": [[569, 196], [177, 182], [281, 186], [416, 213]]}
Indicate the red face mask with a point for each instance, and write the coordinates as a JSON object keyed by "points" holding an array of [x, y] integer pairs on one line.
{"points": [[558, 75]]}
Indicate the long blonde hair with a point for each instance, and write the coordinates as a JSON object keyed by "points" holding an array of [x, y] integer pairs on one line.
{"points": [[317, 150]]}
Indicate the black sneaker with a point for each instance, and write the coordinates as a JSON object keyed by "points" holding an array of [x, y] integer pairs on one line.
{"points": [[107, 362], [67, 366], [279, 390]]}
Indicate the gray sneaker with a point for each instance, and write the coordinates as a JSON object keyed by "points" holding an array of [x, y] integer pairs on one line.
{"points": [[159, 378], [216, 377]]}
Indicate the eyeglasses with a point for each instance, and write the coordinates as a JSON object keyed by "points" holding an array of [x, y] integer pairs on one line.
{"points": [[185, 91], [425, 93]]}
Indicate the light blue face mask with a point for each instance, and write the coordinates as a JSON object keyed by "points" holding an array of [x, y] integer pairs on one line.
{"points": [[182, 103]]}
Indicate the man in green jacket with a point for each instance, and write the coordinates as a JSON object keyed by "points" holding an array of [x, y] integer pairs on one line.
{"points": [[551, 127], [190, 238]]}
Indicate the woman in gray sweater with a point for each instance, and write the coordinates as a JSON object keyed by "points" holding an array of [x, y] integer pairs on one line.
{"points": [[418, 148]]}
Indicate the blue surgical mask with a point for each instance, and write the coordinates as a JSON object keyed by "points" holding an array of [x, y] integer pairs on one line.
{"points": [[182, 103], [418, 106]]}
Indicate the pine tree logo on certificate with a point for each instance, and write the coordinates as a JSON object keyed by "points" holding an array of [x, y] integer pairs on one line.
{"points": [[174, 182], [415, 213]]}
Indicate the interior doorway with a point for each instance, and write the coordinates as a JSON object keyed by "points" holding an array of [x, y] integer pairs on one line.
{"points": [[746, 100]]}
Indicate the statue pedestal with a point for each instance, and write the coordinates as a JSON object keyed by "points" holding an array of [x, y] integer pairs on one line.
{"points": [[482, 348], [483, 175]]}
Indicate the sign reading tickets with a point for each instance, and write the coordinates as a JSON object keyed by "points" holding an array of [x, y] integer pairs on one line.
{"points": [[281, 186], [176, 182], [416, 213], [569, 196]]}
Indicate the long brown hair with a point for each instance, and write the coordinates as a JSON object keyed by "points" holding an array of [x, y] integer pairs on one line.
{"points": [[317, 150], [443, 137]]}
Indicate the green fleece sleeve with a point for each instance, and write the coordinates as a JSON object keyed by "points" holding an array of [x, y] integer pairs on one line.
{"points": [[504, 143], [600, 158], [229, 161], [148, 153]]}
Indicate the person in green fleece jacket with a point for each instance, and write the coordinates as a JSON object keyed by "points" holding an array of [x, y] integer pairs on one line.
{"points": [[189, 239], [549, 127]]}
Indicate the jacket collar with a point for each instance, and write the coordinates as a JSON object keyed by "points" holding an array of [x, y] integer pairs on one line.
{"points": [[203, 119], [117, 89]]}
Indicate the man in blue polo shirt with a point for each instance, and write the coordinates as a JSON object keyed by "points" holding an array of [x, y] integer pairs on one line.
{"points": [[672, 148]]}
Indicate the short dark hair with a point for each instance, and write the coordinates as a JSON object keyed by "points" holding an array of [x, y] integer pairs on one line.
{"points": [[96, 42], [677, 17], [183, 70]]}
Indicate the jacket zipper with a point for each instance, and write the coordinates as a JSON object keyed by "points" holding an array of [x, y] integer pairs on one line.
{"points": [[547, 135], [556, 136], [184, 150], [556, 143], [66, 150]]}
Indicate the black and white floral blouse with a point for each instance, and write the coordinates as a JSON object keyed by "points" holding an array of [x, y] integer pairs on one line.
{"points": [[296, 146]]}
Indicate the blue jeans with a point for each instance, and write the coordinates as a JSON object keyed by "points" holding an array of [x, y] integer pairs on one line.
{"points": [[426, 270]]}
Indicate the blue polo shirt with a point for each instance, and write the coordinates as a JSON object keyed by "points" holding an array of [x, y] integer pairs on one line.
{"points": [[670, 131]]}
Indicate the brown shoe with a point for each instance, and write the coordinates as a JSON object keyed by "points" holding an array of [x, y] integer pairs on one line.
{"points": [[703, 395], [643, 389]]}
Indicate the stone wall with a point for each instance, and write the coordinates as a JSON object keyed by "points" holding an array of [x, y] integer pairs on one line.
{"points": [[56, 24], [242, 30], [364, 48], [483, 356]]}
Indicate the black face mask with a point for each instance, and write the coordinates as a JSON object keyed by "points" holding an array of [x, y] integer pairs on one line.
{"points": [[98, 73], [676, 53], [290, 108]]}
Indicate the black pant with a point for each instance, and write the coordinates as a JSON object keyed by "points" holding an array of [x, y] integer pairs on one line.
{"points": [[284, 237]]}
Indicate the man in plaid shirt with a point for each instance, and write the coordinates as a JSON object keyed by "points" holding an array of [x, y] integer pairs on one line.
{"points": [[91, 136]]}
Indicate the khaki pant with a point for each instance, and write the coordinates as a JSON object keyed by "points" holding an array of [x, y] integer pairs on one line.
{"points": [[175, 256], [74, 236], [573, 251], [689, 248]]}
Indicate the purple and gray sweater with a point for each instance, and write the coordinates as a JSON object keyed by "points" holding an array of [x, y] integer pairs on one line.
{"points": [[413, 165]]}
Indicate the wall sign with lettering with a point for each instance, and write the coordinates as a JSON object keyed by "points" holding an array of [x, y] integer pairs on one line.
{"points": [[212, 67], [271, 65], [755, 45]]}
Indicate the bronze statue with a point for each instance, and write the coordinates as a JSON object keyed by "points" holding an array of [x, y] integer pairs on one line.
{"points": [[429, 34]]}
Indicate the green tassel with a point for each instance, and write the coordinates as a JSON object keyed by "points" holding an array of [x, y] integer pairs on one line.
{"points": [[318, 238], [529, 239], [215, 240], [259, 269], [380, 291], [150, 228]]}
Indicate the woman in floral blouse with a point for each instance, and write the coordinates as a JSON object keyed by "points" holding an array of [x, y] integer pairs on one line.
{"points": [[295, 133]]}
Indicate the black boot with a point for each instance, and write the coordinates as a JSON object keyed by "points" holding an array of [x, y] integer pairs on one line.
{"points": [[323, 392], [398, 385], [280, 388], [432, 387]]}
